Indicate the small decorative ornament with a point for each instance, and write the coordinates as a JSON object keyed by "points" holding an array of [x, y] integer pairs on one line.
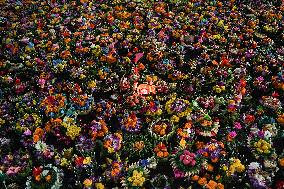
{"points": [[47, 176], [162, 129], [113, 142], [186, 163], [136, 146], [54, 105], [178, 107], [114, 170], [160, 181], [205, 125], [213, 150], [99, 128], [82, 104], [135, 177], [259, 141], [131, 122]]}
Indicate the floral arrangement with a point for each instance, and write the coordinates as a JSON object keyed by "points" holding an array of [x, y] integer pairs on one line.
{"points": [[136, 176], [98, 94], [47, 176], [186, 163]]}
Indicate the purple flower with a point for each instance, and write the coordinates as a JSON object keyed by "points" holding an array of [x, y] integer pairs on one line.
{"points": [[178, 173]]}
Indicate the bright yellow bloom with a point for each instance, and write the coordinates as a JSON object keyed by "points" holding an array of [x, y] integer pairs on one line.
{"points": [[73, 131], [236, 166], [262, 146], [137, 178], [87, 160], [99, 185], [225, 168]]}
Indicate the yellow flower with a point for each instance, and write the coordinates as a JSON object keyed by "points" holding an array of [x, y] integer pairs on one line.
{"points": [[2, 121], [110, 150], [175, 119], [82, 76], [87, 160], [240, 168], [99, 185], [73, 131], [92, 84], [262, 146], [159, 112], [63, 162], [88, 183], [182, 143], [218, 89], [137, 178], [236, 166]]}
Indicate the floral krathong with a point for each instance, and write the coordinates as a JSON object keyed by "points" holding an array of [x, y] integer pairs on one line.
{"points": [[99, 94]]}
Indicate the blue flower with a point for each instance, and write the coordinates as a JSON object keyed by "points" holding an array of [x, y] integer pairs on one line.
{"points": [[144, 162]]}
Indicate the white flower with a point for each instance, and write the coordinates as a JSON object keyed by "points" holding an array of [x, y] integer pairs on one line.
{"points": [[40, 146], [44, 172], [269, 164], [267, 134], [254, 165], [259, 178]]}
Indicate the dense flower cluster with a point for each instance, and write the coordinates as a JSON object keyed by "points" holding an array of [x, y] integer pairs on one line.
{"points": [[141, 94]]}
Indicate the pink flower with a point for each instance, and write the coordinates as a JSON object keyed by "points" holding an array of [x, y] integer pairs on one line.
{"points": [[233, 134], [13, 170], [188, 158], [41, 82], [237, 125]]}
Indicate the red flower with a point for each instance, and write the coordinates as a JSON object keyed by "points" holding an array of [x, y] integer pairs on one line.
{"points": [[79, 161], [250, 118], [37, 171]]}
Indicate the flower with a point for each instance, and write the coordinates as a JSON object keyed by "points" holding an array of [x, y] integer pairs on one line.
{"points": [[88, 183], [112, 142], [175, 119], [237, 125], [99, 185], [178, 173], [195, 177], [182, 143], [139, 145], [73, 131], [262, 146], [188, 158], [137, 178], [281, 162], [87, 161], [211, 184], [202, 181], [235, 166], [161, 150], [48, 178], [144, 89]]}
